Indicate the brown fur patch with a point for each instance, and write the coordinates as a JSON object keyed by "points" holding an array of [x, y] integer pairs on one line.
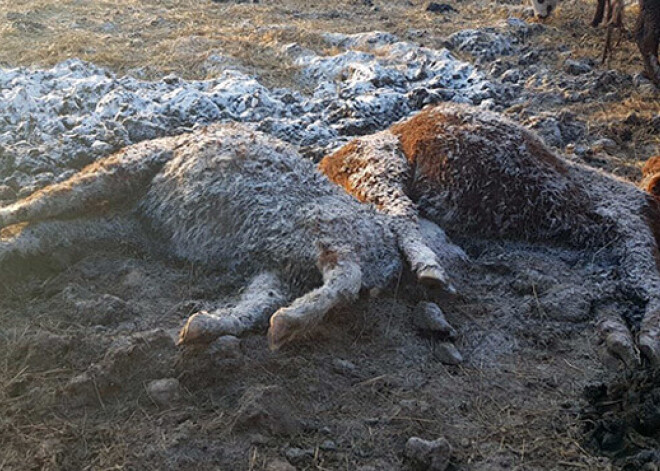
{"points": [[338, 167], [651, 180], [67, 186], [328, 258], [418, 135], [652, 166]]}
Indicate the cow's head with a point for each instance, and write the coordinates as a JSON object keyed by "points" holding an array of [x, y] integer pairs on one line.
{"points": [[544, 8]]}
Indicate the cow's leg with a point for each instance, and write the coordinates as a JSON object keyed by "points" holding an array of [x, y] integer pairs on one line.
{"points": [[118, 179], [42, 238], [262, 297], [374, 170], [342, 280]]}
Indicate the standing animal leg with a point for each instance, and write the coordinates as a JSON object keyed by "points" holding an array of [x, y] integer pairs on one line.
{"points": [[374, 170], [600, 13], [263, 296], [647, 36], [614, 21], [44, 237], [342, 280]]}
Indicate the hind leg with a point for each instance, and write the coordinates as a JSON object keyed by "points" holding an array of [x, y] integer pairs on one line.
{"points": [[44, 237], [118, 179], [374, 170], [262, 297], [342, 280]]}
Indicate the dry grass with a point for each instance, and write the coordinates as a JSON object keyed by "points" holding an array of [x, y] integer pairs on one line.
{"points": [[159, 37], [177, 36]]}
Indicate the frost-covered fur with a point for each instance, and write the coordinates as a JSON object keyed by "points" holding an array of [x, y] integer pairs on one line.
{"points": [[229, 198], [475, 172], [544, 8]]}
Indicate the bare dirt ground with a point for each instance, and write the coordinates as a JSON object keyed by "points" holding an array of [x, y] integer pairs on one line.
{"points": [[82, 339]]}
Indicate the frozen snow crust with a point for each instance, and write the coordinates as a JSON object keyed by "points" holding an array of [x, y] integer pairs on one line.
{"points": [[57, 120]]}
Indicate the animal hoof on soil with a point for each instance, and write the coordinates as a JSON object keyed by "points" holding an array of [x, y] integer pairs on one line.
{"points": [[283, 329], [204, 328], [435, 277], [618, 341]]}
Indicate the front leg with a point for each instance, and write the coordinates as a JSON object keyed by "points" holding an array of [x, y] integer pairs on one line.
{"points": [[342, 280], [263, 296]]}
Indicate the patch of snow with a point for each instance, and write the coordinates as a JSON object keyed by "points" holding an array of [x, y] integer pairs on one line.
{"points": [[57, 120]]}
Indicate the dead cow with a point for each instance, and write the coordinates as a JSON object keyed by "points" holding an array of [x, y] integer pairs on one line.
{"points": [[475, 172], [229, 198]]}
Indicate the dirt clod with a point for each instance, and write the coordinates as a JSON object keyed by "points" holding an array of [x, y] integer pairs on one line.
{"points": [[164, 392], [428, 455], [280, 465], [429, 317], [622, 419], [266, 409]]}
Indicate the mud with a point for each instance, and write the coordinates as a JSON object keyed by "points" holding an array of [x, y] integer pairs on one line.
{"points": [[77, 388]]}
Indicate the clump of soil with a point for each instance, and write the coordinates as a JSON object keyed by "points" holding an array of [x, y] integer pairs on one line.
{"points": [[622, 420]]}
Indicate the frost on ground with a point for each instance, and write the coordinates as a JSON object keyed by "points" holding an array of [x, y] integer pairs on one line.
{"points": [[62, 118]]}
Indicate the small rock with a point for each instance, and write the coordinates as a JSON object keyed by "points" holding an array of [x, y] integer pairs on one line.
{"points": [[226, 347], [428, 455], [103, 310], [344, 367], [529, 58], [447, 353], [415, 405], [280, 465], [608, 145], [164, 391], [434, 7], [640, 80], [566, 303], [259, 439], [511, 76], [298, 455], [581, 150], [108, 27], [328, 445], [428, 316], [267, 409], [574, 67]]}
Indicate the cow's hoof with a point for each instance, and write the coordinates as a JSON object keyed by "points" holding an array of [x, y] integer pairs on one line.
{"points": [[283, 329], [619, 341], [205, 328], [435, 277]]}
